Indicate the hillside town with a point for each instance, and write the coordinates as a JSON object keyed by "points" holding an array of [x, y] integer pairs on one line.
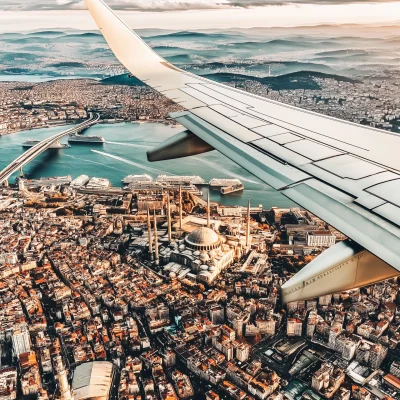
{"points": [[145, 293], [26, 106]]}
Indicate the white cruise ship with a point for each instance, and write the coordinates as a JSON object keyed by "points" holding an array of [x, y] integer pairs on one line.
{"points": [[85, 139], [79, 181], [180, 180], [56, 145], [48, 181], [98, 183], [137, 178]]}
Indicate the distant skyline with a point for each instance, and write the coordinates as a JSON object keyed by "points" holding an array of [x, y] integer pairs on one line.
{"points": [[19, 15]]}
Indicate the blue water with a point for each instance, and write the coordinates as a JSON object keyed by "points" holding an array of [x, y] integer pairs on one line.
{"points": [[124, 153]]}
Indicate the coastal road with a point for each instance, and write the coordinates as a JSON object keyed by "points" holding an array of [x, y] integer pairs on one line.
{"points": [[39, 148]]}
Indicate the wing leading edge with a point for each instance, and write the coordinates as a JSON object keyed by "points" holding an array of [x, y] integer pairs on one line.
{"points": [[346, 174]]}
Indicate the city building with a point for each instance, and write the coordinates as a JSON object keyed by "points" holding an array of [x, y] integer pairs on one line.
{"points": [[93, 380], [320, 238], [21, 341], [294, 327]]}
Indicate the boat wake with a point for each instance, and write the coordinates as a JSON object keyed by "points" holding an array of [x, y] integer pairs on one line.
{"points": [[135, 164], [90, 161], [141, 146]]}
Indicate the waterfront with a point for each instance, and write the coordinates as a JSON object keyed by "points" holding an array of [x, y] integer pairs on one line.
{"points": [[124, 153]]}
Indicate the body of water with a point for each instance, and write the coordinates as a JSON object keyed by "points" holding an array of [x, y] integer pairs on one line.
{"points": [[124, 153]]}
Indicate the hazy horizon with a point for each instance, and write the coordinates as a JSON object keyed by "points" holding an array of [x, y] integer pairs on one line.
{"points": [[289, 15]]}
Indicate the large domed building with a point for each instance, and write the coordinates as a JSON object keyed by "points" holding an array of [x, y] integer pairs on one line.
{"points": [[203, 254], [203, 239]]}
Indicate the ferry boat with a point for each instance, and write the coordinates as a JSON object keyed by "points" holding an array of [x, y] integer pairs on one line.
{"points": [[57, 145], [85, 139], [232, 189]]}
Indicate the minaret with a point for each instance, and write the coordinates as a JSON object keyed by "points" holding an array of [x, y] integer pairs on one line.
{"points": [[169, 218], [65, 392], [208, 209], [149, 233], [248, 226], [21, 185], [156, 238], [180, 207]]}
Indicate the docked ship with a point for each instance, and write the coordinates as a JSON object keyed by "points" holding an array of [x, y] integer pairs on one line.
{"points": [[98, 183], [137, 178], [56, 145], [180, 180], [48, 181], [79, 181], [85, 139], [232, 189]]}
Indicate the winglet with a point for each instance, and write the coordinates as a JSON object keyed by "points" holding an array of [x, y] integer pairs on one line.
{"points": [[127, 46]]}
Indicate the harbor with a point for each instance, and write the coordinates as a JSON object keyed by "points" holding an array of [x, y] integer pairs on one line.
{"points": [[188, 183], [124, 153]]}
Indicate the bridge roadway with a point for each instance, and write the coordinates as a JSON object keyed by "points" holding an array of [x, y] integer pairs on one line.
{"points": [[43, 145]]}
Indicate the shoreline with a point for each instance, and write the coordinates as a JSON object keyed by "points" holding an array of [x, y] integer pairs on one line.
{"points": [[101, 122]]}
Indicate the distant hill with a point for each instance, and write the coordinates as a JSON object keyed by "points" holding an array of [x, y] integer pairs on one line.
{"points": [[69, 64], [295, 80]]}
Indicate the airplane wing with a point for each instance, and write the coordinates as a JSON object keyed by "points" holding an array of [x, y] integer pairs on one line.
{"points": [[345, 173]]}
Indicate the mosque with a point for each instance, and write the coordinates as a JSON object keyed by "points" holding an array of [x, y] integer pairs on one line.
{"points": [[203, 254]]}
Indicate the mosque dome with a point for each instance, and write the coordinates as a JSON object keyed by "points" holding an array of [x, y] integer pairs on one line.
{"points": [[203, 239], [212, 254], [204, 257]]}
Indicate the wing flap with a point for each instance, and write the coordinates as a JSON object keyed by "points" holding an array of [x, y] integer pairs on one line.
{"points": [[226, 124], [348, 166], [389, 190], [281, 152], [390, 212]]}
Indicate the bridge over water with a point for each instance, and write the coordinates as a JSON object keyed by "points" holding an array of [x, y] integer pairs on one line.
{"points": [[43, 145]]}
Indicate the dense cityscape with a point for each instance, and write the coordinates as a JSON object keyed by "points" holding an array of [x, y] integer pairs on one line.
{"points": [[27, 106], [152, 292], [158, 294], [36, 105]]}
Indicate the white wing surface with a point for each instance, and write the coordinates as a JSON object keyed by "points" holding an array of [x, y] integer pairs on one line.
{"points": [[347, 174]]}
